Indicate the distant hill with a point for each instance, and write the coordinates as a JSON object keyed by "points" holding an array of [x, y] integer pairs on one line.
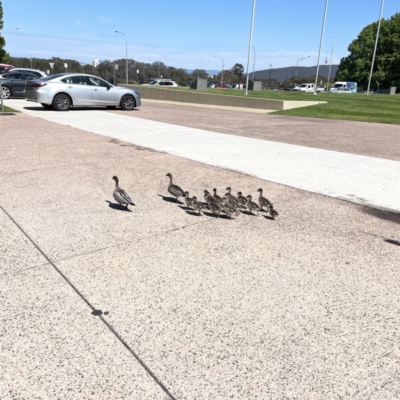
{"points": [[280, 74]]}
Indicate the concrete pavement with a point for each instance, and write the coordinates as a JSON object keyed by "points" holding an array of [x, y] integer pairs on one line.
{"points": [[364, 180], [158, 303]]}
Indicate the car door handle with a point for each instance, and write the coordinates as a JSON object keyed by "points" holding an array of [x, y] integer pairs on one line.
{"points": [[96, 90], [70, 87]]}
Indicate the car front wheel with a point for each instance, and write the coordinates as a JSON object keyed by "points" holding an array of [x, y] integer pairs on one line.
{"points": [[62, 102], [6, 92], [127, 102]]}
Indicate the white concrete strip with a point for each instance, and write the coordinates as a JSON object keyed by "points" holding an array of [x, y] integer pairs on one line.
{"points": [[364, 180]]}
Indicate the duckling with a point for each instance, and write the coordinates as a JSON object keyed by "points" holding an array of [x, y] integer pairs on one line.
{"points": [[214, 207], [267, 204], [197, 206], [228, 208], [241, 199], [231, 198], [251, 205], [188, 200], [217, 198], [120, 195], [207, 197], [175, 190]]}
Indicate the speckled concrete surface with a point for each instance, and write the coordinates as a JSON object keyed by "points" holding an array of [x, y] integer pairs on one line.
{"points": [[306, 306], [364, 180]]}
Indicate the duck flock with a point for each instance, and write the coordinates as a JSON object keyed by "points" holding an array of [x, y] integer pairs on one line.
{"points": [[229, 204]]}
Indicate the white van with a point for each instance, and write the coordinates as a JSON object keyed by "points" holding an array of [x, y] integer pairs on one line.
{"points": [[344, 87], [308, 87]]}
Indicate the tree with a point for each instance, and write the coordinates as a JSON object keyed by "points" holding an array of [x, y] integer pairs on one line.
{"points": [[4, 56], [238, 70], [356, 66], [200, 73]]}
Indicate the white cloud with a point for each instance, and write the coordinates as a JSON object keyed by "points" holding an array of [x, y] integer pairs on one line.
{"points": [[80, 23]]}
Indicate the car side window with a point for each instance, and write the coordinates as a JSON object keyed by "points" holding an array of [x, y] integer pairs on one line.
{"points": [[14, 75], [97, 82], [79, 80]]}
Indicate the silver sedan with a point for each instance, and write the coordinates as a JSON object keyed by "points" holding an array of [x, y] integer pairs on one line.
{"points": [[62, 91]]}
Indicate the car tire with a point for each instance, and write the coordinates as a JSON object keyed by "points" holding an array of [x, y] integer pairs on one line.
{"points": [[6, 92], [62, 102], [47, 106], [127, 102]]}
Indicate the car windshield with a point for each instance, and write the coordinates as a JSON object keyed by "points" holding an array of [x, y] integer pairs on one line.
{"points": [[153, 82], [338, 85]]}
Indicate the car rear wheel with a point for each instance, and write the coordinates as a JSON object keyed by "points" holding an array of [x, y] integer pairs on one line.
{"points": [[127, 102], [62, 102], [48, 106], [6, 92]]}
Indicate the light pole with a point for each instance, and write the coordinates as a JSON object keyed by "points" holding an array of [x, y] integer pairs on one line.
{"points": [[320, 45], [222, 72], [126, 53], [295, 78], [376, 44], [270, 75], [254, 62], [250, 45], [330, 65]]}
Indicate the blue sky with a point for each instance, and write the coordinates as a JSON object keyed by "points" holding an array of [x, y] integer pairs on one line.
{"points": [[187, 33]]}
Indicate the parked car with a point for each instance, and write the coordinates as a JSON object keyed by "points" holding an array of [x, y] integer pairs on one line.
{"points": [[36, 72], [13, 83], [344, 87], [63, 91], [162, 82], [5, 67]]}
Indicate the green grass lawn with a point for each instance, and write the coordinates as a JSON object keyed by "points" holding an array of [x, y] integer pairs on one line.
{"points": [[354, 107], [8, 109]]}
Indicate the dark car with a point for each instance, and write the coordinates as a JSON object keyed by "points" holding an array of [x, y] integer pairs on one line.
{"points": [[13, 83]]}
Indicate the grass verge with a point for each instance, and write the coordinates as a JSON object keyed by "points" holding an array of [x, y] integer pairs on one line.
{"points": [[8, 109], [353, 107]]}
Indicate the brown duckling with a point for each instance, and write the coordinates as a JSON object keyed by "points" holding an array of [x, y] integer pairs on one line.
{"points": [[175, 190], [120, 195], [214, 207], [188, 200], [265, 203], [251, 205], [228, 208], [217, 198], [241, 199], [231, 198], [197, 206]]}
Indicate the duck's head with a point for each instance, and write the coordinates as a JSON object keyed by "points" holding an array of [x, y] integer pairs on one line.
{"points": [[259, 190], [186, 194], [169, 174], [215, 190], [115, 179], [194, 198], [239, 193], [248, 197], [228, 189]]}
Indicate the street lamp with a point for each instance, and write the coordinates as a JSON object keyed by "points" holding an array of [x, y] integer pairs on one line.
{"points": [[376, 44], [250, 46], [330, 65], [222, 72], [126, 43], [270, 75], [295, 78], [254, 62], [320, 45]]}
